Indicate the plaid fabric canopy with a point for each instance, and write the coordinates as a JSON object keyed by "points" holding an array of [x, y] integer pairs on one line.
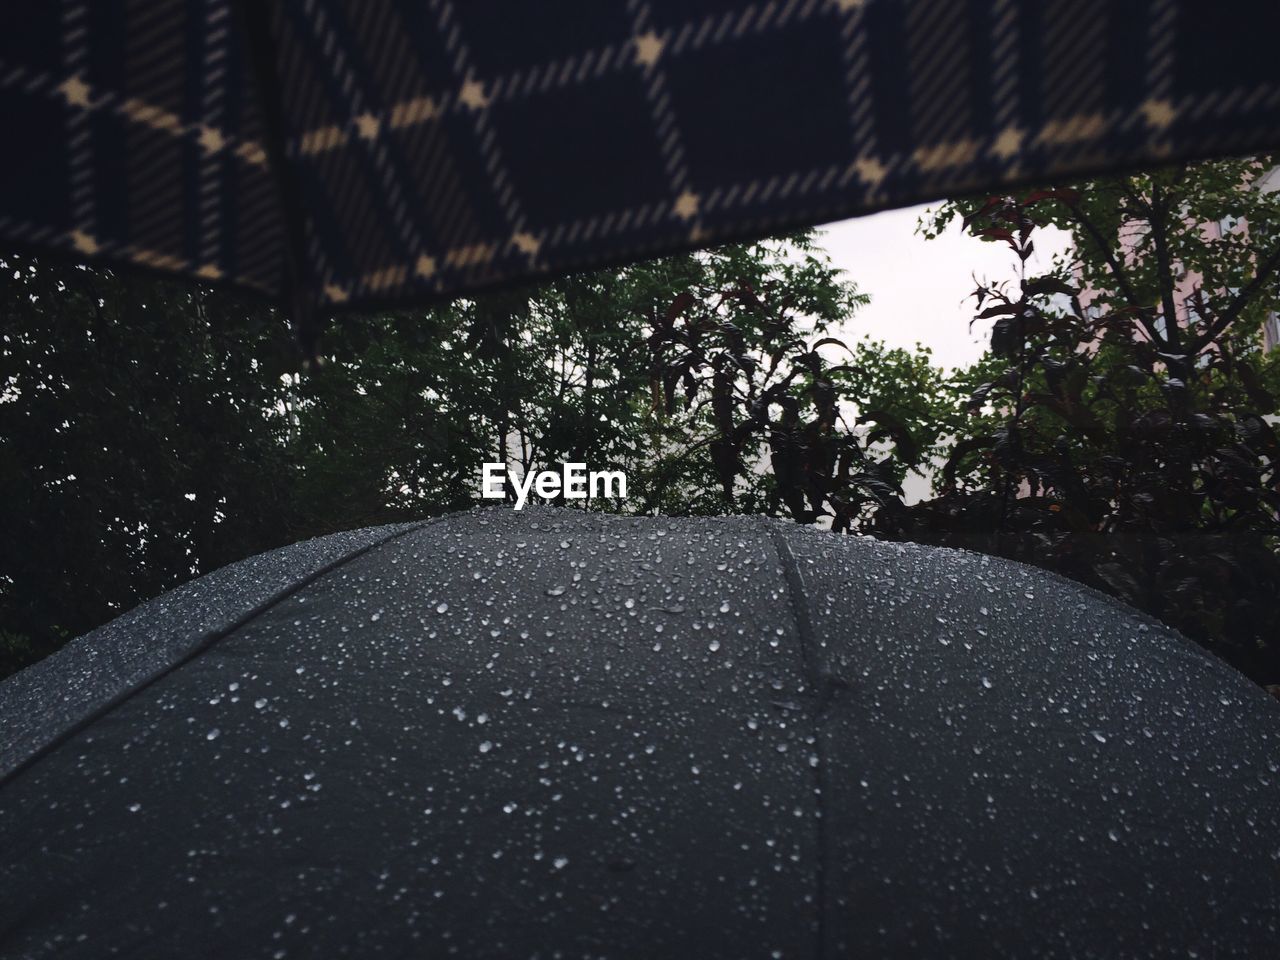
{"points": [[335, 154]]}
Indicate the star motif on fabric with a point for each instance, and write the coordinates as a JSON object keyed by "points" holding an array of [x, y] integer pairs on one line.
{"points": [[367, 126], [76, 92], [84, 243], [251, 152], [1009, 142], [698, 235], [686, 206], [210, 140], [426, 266], [209, 272], [526, 243], [648, 48], [1158, 113], [473, 95], [871, 170], [335, 293]]}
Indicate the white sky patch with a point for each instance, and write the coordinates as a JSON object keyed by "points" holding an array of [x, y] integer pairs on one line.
{"points": [[918, 287]]}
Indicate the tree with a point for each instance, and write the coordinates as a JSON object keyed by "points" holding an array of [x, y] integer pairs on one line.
{"points": [[141, 443], [1122, 423], [153, 432]]}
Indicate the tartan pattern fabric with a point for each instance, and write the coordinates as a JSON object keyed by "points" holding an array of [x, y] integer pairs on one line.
{"points": [[384, 152]]}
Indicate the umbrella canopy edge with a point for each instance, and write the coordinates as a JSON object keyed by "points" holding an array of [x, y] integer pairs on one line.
{"points": [[157, 636]]}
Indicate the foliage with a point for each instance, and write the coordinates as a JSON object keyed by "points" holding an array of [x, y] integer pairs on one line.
{"points": [[1120, 430], [1122, 426], [739, 364], [139, 445], [151, 432]]}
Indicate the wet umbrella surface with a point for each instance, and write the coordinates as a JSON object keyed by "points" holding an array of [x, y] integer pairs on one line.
{"points": [[554, 733]]}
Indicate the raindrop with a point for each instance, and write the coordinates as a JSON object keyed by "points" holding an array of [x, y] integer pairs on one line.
{"points": [[1099, 736], [554, 591], [442, 607], [560, 862], [486, 746], [714, 645], [213, 734]]}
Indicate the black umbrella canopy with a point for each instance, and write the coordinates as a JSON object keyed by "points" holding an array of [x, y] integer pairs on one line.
{"points": [[335, 154], [556, 733]]}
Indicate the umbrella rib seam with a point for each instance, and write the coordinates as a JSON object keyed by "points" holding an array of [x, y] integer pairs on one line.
{"points": [[201, 645], [821, 689]]}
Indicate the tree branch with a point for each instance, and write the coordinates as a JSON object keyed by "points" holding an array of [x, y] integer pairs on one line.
{"points": [[1236, 307], [1164, 268], [1117, 269]]}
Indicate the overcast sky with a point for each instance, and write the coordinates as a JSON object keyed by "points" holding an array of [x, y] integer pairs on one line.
{"points": [[917, 286]]}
